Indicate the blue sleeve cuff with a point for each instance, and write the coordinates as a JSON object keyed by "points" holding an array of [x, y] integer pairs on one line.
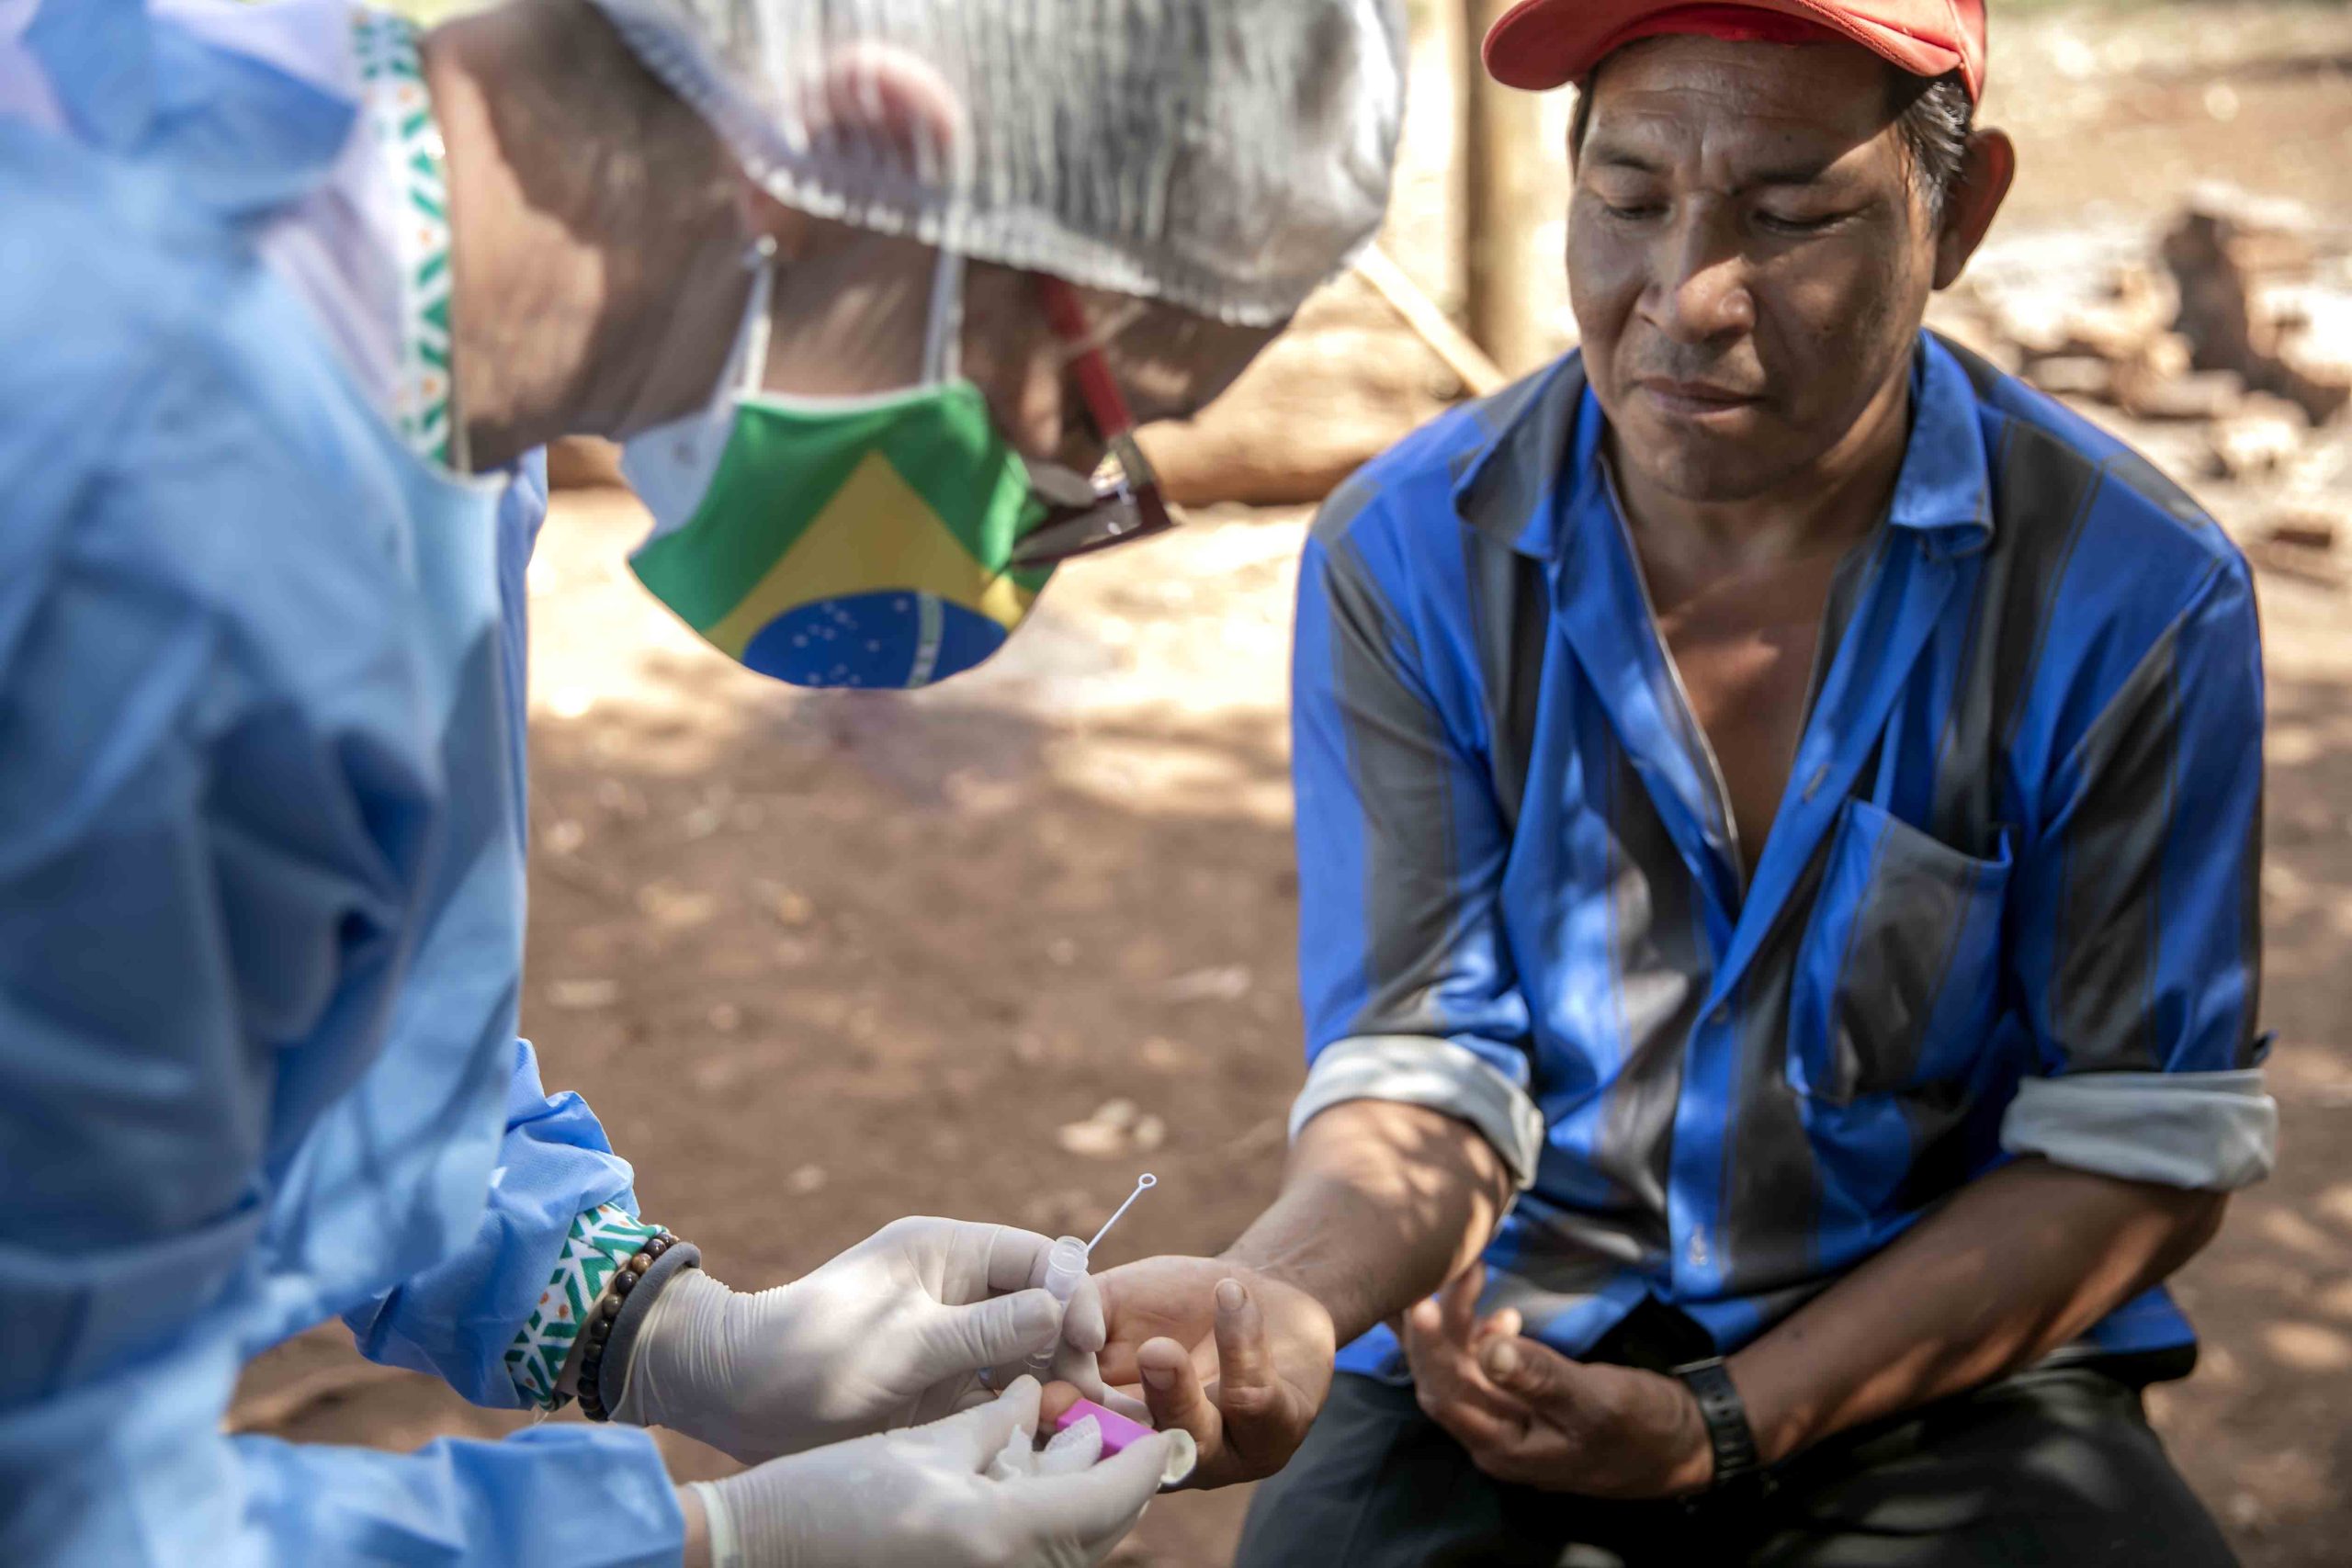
{"points": [[458, 1320]]}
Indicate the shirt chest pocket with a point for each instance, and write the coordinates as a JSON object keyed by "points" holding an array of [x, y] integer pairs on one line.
{"points": [[1898, 975]]}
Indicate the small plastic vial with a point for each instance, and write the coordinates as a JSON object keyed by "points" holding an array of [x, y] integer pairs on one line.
{"points": [[1064, 1267]]}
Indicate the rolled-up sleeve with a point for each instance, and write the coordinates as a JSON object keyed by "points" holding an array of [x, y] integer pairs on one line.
{"points": [[1408, 985], [2140, 910]]}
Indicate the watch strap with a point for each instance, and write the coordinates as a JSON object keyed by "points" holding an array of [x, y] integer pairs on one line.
{"points": [[1725, 1414]]}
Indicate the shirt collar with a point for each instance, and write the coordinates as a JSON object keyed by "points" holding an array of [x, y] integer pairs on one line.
{"points": [[1945, 486], [1504, 486], [1547, 429]]}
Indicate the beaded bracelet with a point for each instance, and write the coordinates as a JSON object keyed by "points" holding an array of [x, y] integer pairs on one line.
{"points": [[598, 1242], [607, 1312]]}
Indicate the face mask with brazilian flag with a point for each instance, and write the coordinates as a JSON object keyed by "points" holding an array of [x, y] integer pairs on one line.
{"points": [[839, 541]]}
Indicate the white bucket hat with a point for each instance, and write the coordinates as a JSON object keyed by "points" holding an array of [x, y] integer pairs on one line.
{"points": [[1224, 155]]}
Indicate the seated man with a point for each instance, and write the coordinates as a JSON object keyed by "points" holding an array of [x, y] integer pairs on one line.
{"points": [[1778, 814]]}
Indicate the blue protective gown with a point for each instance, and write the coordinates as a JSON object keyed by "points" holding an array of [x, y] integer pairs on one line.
{"points": [[261, 877]]}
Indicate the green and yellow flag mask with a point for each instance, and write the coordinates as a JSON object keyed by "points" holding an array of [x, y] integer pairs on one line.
{"points": [[840, 541]]}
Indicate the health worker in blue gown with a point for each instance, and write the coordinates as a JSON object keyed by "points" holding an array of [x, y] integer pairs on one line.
{"points": [[289, 295]]}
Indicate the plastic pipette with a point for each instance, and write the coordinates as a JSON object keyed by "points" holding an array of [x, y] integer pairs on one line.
{"points": [[1066, 1266], [1144, 1184]]}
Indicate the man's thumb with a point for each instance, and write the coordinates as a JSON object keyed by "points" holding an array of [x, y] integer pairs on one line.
{"points": [[1516, 1364]]}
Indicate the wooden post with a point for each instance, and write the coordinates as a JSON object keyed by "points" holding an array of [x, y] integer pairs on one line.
{"points": [[1479, 374], [1504, 206]]}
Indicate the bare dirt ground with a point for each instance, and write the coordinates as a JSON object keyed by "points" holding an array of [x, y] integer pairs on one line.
{"points": [[822, 961]]}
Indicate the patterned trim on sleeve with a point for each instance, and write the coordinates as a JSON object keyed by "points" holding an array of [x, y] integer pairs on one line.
{"points": [[398, 102], [601, 1241]]}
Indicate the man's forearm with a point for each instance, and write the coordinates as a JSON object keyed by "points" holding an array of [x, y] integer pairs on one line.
{"points": [[1381, 1205], [2014, 1266]]}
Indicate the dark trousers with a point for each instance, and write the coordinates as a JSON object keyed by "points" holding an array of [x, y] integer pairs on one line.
{"points": [[2056, 1465]]}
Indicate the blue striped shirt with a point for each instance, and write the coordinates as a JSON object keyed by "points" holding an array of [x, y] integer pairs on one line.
{"points": [[2009, 904]]}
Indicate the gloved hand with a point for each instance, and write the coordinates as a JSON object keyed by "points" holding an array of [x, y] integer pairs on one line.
{"points": [[891, 1333], [921, 1499]]}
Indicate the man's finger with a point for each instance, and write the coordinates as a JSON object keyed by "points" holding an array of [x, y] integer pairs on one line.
{"points": [[1445, 1366], [1438, 1364], [1057, 1398], [1117, 1363], [1479, 1425], [1423, 1322], [1459, 1301], [1247, 1389], [1528, 1370], [1447, 1379], [1172, 1392], [1506, 1323], [1451, 1391]]}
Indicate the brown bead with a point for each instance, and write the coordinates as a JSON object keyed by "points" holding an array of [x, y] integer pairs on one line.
{"points": [[610, 1307]]}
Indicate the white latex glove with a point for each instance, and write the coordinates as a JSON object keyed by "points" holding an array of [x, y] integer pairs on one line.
{"points": [[892, 1332], [922, 1498], [1075, 1448]]}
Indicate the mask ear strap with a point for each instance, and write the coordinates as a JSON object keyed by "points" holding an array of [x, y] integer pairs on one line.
{"points": [[943, 343], [751, 340]]}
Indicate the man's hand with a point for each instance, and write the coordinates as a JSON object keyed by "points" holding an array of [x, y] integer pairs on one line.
{"points": [[1380, 1204], [1239, 1360], [1529, 1415]]}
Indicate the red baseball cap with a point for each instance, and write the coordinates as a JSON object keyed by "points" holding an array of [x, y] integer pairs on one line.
{"points": [[1541, 44]]}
